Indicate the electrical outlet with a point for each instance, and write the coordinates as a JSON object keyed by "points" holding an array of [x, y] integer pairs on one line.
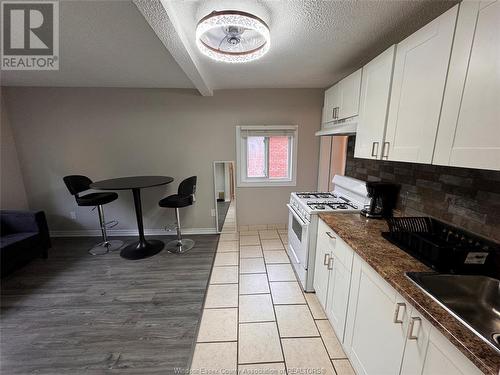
{"points": [[212, 212], [72, 214]]}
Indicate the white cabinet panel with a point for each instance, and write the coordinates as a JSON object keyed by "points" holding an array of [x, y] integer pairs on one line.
{"points": [[321, 271], [469, 131], [349, 95], [417, 339], [377, 322], [418, 85], [374, 105], [331, 103], [443, 358], [338, 296], [342, 99], [428, 352]]}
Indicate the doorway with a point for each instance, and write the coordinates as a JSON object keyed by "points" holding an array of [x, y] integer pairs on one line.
{"points": [[225, 196]]}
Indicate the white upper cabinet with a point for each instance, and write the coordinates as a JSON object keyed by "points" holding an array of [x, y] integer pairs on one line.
{"points": [[342, 99], [349, 95], [469, 131], [331, 104], [374, 105], [419, 78]]}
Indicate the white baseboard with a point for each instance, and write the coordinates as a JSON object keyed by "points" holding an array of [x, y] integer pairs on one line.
{"points": [[129, 232]]}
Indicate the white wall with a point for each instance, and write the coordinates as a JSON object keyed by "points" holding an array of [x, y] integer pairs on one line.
{"points": [[12, 192], [107, 132]]}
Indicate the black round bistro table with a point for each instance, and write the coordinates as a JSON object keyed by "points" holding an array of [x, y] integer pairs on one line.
{"points": [[142, 248]]}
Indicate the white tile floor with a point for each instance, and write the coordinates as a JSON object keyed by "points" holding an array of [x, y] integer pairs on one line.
{"points": [[256, 316]]}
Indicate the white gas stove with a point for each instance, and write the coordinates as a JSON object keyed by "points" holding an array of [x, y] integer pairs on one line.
{"points": [[349, 195]]}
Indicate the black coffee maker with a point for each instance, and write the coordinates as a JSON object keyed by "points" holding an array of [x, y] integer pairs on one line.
{"points": [[384, 197]]}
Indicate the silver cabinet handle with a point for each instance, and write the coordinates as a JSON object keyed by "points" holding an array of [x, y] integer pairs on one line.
{"points": [[325, 260], [396, 312], [411, 335], [330, 263], [374, 153], [335, 113], [329, 234], [385, 150]]}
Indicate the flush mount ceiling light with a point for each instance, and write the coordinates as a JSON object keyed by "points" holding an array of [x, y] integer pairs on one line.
{"points": [[232, 36]]}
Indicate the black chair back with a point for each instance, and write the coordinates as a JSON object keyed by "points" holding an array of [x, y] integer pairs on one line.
{"points": [[187, 187], [77, 183]]}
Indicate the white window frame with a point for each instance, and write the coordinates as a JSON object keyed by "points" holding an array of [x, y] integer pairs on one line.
{"points": [[241, 156]]}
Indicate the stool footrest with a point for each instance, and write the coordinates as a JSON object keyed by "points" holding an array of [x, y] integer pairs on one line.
{"points": [[111, 224]]}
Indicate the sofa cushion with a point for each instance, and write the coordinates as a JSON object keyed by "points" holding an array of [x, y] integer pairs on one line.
{"points": [[15, 238]]}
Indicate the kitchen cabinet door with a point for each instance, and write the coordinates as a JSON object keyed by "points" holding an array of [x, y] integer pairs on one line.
{"points": [[428, 352], [377, 323], [374, 105], [443, 358], [321, 271], [417, 90], [349, 89], [338, 296], [331, 104], [417, 340], [469, 131]]}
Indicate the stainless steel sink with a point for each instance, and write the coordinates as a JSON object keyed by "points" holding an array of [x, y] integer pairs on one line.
{"points": [[474, 300]]}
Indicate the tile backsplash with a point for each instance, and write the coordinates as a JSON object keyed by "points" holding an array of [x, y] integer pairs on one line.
{"points": [[468, 198]]}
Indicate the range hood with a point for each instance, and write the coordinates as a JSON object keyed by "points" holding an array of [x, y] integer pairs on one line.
{"points": [[342, 127]]}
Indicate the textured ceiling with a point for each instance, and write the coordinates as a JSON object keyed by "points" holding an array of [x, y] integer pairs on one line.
{"points": [[314, 43], [105, 44]]}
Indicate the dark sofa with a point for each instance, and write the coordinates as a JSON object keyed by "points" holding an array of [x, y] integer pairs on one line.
{"points": [[24, 235]]}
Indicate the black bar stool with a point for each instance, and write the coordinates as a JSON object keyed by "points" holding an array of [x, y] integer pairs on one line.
{"points": [[76, 184], [185, 197]]}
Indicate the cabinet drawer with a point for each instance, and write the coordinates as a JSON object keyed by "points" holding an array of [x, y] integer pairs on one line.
{"points": [[331, 240]]}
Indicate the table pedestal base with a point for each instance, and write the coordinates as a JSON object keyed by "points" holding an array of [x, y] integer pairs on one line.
{"points": [[142, 249]]}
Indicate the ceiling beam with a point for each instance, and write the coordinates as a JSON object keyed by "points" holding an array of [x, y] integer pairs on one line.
{"points": [[161, 17]]}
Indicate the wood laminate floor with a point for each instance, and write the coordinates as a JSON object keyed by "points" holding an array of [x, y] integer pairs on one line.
{"points": [[76, 313]]}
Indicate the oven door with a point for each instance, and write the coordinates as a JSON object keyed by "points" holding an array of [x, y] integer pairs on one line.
{"points": [[298, 238]]}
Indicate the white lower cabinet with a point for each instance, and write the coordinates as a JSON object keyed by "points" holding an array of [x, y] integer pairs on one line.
{"points": [[338, 296], [428, 352], [385, 335], [321, 271], [376, 323], [417, 339], [381, 333], [332, 276], [441, 357]]}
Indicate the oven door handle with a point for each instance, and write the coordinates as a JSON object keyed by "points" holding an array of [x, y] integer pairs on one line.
{"points": [[297, 217]]}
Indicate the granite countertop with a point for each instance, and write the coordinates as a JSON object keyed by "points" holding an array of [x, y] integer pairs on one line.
{"points": [[363, 235]]}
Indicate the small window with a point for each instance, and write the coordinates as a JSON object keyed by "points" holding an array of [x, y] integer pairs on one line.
{"points": [[266, 155]]}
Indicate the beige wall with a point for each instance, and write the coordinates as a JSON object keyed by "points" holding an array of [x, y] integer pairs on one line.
{"points": [[107, 133], [12, 192]]}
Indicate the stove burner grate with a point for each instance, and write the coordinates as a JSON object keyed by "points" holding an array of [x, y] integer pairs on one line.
{"points": [[306, 195]]}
